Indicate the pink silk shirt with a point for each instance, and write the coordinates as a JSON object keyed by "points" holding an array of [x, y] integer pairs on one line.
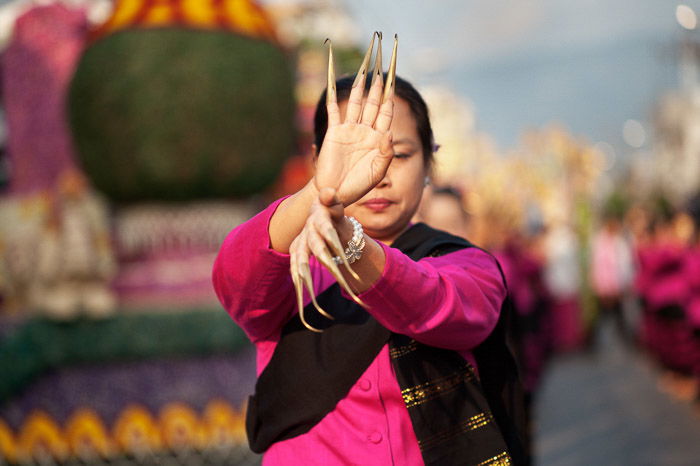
{"points": [[452, 301]]}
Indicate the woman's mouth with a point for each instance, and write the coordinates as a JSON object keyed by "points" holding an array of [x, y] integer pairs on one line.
{"points": [[377, 204]]}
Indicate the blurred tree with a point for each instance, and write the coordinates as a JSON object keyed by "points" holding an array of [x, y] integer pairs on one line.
{"points": [[184, 110]]}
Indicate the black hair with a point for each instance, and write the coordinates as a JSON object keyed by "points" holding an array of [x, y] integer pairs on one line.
{"points": [[404, 90]]}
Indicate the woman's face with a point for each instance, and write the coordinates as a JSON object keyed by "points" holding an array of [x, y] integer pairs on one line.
{"points": [[386, 210]]}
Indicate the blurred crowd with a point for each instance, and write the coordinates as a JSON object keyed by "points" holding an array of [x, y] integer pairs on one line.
{"points": [[638, 274]]}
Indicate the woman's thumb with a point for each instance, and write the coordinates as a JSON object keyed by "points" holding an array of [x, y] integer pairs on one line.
{"points": [[328, 197]]}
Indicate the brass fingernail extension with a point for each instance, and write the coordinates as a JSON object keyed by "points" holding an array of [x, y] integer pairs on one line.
{"points": [[391, 75]]}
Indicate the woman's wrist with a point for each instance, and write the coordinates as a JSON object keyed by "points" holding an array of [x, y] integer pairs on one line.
{"points": [[289, 218], [345, 230]]}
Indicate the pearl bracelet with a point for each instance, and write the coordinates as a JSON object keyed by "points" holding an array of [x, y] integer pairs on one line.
{"points": [[356, 244]]}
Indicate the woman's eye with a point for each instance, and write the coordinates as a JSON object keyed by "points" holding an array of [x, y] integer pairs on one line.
{"points": [[401, 155]]}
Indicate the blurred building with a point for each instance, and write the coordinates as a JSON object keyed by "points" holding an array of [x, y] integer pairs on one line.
{"points": [[313, 20], [677, 121]]}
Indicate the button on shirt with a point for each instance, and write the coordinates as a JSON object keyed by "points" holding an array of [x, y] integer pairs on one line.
{"points": [[452, 301]]}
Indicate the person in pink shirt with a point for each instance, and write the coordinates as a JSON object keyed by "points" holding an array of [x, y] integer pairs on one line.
{"points": [[420, 372]]}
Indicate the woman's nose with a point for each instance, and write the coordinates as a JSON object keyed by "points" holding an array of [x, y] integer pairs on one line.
{"points": [[386, 181]]}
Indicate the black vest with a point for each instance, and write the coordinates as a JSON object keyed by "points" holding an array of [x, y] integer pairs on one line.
{"points": [[458, 418]]}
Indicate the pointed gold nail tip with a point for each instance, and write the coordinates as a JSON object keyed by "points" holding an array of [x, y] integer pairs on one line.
{"points": [[330, 92], [300, 302], [378, 63], [335, 271], [362, 72], [308, 282], [391, 74], [307, 325], [350, 270]]}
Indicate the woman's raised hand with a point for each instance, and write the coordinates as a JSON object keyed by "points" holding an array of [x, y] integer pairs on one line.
{"points": [[356, 152], [353, 159]]}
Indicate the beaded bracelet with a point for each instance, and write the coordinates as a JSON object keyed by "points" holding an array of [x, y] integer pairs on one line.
{"points": [[356, 244]]}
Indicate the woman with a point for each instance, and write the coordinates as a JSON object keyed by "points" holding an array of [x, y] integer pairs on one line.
{"points": [[393, 382]]}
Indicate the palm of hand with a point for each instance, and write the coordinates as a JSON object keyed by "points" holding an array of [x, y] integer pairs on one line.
{"points": [[351, 161]]}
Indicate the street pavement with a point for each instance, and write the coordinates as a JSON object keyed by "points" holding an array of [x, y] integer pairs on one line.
{"points": [[604, 408]]}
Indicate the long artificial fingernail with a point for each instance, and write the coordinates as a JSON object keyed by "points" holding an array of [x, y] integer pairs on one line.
{"points": [[378, 64], [333, 268], [298, 290], [391, 74], [330, 90], [362, 72], [300, 302], [306, 324], [309, 283]]}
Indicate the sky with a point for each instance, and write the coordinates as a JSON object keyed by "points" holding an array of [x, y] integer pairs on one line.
{"points": [[589, 64]]}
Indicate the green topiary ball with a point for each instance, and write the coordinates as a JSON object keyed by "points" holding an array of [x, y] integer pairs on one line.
{"points": [[178, 114]]}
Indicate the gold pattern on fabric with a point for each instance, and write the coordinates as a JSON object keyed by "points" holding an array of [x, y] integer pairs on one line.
{"points": [[396, 353], [499, 460], [414, 396], [472, 423]]}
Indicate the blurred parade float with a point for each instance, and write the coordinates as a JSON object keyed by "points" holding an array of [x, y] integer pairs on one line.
{"points": [[138, 134]]}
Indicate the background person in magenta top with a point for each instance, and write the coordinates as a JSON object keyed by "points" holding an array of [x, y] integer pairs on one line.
{"points": [[372, 162]]}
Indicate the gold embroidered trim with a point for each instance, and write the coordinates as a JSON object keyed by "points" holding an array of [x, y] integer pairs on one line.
{"points": [[396, 353], [472, 423], [419, 394], [499, 460]]}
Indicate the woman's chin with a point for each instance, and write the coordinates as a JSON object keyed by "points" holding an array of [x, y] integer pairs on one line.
{"points": [[384, 231]]}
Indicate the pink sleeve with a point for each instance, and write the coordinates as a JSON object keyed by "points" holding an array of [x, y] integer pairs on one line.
{"points": [[252, 280], [452, 301]]}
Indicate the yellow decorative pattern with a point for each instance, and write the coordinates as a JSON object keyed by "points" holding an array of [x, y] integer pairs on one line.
{"points": [[244, 17], [181, 427], [472, 423], [136, 430], [397, 352], [414, 396], [8, 444], [223, 424], [499, 460], [199, 13], [160, 14], [40, 438], [87, 435]]}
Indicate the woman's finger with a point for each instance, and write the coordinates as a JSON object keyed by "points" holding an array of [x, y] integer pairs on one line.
{"points": [[301, 275], [303, 255], [386, 147], [296, 279], [329, 201], [323, 222], [374, 100], [386, 114]]}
